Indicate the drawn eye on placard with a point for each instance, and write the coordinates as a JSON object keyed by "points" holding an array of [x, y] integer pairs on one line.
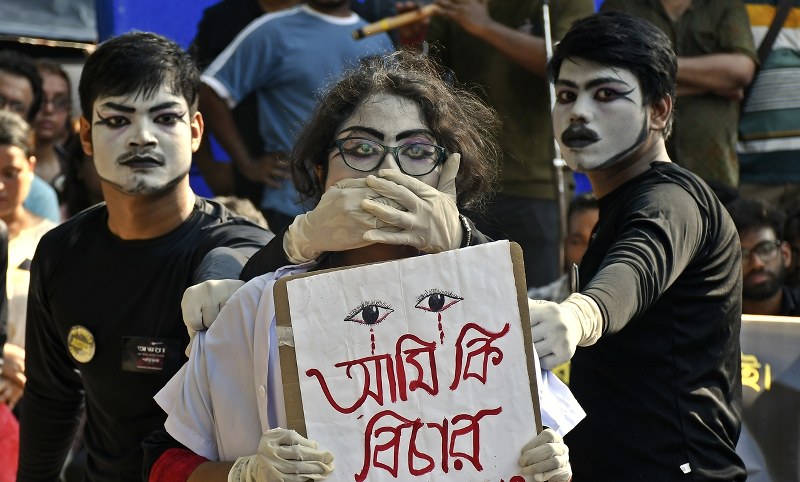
{"points": [[370, 313], [437, 301]]}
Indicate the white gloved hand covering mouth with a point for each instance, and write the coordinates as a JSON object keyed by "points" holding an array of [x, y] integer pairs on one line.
{"points": [[337, 223], [429, 220], [283, 456]]}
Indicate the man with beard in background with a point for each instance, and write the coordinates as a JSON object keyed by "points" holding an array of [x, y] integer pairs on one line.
{"points": [[765, 258], [766, 255]]}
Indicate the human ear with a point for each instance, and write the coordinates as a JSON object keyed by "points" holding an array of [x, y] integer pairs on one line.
{"points": [[86, 136], [197, 125], [660, 113], [786, 254]]}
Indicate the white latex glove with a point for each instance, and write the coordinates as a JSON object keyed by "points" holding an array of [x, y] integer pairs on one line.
{"points": [[430, 221], [283, 456], [546, 457], [559, 328], [202, 303], [338, 223]]}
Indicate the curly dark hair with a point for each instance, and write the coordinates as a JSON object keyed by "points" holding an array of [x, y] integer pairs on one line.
{"points": [[458, 119]]}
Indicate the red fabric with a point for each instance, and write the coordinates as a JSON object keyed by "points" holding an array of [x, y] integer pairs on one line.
{"points": [[175, 465], [9, 444]]}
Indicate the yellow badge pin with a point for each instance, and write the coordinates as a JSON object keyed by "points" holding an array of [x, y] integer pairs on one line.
{"points": [[80, 342]]}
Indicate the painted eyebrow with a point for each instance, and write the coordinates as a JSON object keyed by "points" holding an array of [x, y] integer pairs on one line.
{"points": [[131, 110], [381, 136], [593, 82]]}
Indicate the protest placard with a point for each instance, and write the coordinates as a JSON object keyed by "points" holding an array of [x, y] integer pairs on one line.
{"points": [[417, 369]]}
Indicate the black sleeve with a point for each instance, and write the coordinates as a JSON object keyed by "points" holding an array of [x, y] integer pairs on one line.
{"points": [[222, 263], [661, 233], [267, 259], [224, 252], [53, 402], [156, 444]]}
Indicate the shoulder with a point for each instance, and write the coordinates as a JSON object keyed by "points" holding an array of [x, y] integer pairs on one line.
{"points": [[669, 187], [791, 302], [215, 214], [68, 232]]}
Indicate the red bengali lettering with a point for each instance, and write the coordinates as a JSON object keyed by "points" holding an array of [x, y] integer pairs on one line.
{"points": [[471, 348], [383, 443]]}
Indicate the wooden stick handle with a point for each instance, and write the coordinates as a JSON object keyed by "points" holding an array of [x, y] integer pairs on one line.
{"points": [[390, 23]]}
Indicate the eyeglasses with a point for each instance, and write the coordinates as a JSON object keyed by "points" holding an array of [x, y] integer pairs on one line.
{"points": [[13, 105], [414, 159], [60, 104], [765, 250]]}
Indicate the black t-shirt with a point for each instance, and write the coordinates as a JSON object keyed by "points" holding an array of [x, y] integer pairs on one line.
{"points": [[790, 302], [662, 386], [125, 295]]}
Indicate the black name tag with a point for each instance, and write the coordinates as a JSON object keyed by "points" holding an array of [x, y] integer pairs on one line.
{"points": [[149, 355]]}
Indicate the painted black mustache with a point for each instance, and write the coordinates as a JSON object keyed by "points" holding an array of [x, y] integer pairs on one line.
{"points": [[578, 133], [141, 155]]}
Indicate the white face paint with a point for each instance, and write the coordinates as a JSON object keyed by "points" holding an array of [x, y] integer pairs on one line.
{"points": [[599, 118], [144, 145], [390, 120]]}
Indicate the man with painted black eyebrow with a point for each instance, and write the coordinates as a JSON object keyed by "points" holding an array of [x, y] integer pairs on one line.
{"points": [[653, 330], [104, 326]]}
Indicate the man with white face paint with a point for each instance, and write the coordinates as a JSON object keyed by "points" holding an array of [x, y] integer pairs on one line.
{"points": [[657, 314], [104, 319]]}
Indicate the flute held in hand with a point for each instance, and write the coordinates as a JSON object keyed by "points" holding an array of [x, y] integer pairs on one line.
{"points": [[390, 23]]}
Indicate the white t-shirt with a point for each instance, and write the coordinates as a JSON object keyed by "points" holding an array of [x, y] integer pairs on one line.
{"points": [[18, 277], [233, 373]]}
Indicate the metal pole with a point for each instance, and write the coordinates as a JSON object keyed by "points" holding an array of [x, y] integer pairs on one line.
{"points": [[559, 164]]}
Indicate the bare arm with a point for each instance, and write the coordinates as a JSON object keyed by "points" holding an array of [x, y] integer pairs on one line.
{"points": [[724, 74], [210, 472], [220, 121], [473, 16]]}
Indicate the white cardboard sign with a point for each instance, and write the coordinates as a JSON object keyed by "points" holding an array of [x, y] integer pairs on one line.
{"points": [[418, 369]]}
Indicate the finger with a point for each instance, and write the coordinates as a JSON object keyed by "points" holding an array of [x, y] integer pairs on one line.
{"points": [[447, 178], [302, 469], [350, 183], [192, 311], [400, 238], [388, 177], [282, 436], [388, 214], [210, 312], [549, 361], [19, 379], [543, 458], [545, 436], [303, 454]]}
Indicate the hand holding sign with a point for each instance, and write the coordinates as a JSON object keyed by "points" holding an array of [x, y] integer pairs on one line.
{"points": [[283, 456]]}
